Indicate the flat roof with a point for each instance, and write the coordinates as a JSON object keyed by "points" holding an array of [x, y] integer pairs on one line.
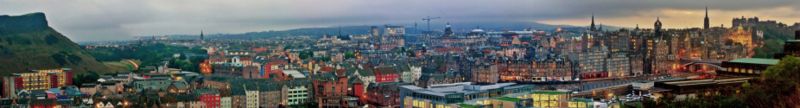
{"points": [[294, 73], [549, 92], [707, 81], [464, 87], [510, 99], [756, 61]]}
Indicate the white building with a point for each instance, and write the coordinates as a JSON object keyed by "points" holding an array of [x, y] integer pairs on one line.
{"points": [[251, 98], [298, 95], [412, 74], [225, 102]]}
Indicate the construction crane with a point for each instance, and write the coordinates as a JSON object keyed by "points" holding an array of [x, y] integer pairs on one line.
{"points": [[428, 20]]}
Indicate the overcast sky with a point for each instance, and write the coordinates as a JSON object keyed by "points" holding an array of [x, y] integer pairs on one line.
{"points": [[90, 20]]}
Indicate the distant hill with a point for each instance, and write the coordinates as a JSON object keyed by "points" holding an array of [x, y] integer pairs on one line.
{"points": [[318, 31], [27, 42], [461, 27]]}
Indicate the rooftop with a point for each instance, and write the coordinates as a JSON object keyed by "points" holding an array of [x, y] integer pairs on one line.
{"points": [[707, 81], [510, 99], [756, 61], [294, 73], [454, 88]]}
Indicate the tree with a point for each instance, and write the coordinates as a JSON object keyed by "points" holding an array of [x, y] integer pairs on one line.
{"points": [[349, 54], [306, 54], [778, 86], [88, 77]]}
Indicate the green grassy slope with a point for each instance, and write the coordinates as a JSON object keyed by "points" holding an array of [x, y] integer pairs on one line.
{"points": [[27, 42]]}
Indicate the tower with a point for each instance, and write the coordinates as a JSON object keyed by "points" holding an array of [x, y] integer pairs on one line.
{"points": [[374, 31], [657, 27], [447, 30], [649, 57], [202, 38], [592, 28], [705, 20]]}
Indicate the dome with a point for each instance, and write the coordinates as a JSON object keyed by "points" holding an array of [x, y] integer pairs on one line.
{"points": [[477, 30]]}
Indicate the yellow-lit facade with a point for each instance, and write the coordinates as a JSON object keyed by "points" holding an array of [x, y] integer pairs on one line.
{"points": [[547, 99], [580, 103], [741, 36], [577, 104], [411, 102], [43, 79], [743, 70]]}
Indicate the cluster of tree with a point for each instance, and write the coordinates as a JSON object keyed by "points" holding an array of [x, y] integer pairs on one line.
{"points": [[778, 87], [189, 63], [305, 54], [87, 77], [152, 55], [774, 38]]}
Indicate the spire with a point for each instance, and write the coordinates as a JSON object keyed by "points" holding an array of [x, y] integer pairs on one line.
{"points": [[658, 22], [201, 35], [705, 20], [592, 28], [657, 27]]}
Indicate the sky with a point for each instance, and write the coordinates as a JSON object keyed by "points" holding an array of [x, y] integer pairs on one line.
{"points": [[98, 20]]}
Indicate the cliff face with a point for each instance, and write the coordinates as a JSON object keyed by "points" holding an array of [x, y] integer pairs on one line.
{"points": [[27, 42], [24, 23]]}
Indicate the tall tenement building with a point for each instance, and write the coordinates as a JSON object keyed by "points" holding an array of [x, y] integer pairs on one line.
{"points": [[649, 48], [36, 80]]}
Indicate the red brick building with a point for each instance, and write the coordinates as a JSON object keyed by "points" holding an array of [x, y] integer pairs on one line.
{"points": [[384, 95], [330, 90], [210, 100], [359, 92], [385, 74]]}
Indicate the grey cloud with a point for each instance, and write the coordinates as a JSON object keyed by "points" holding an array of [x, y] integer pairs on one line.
{"points": [[87, 20]]}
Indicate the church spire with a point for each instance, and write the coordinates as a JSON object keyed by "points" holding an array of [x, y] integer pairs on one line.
{"points": [[592, 28], [201, 35], [705, 20]]}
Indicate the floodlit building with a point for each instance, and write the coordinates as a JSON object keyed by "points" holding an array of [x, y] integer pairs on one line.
{"points": [[747, 66], [38, 80], [451, 95]]}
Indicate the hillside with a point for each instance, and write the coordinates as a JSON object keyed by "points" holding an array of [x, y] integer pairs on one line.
{"points": [[27, 42]]}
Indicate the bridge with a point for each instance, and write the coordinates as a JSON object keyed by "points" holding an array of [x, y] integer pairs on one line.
{"points": [[708, 62]]}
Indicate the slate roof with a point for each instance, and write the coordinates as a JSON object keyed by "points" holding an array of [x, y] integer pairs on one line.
{"points": [[756, 61]]}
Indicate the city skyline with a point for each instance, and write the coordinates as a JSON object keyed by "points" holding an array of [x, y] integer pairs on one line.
{"points": [[399, 54], [116, 20]]}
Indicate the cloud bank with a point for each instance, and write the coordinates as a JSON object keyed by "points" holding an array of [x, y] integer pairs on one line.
{"points": [[92, 20]]}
